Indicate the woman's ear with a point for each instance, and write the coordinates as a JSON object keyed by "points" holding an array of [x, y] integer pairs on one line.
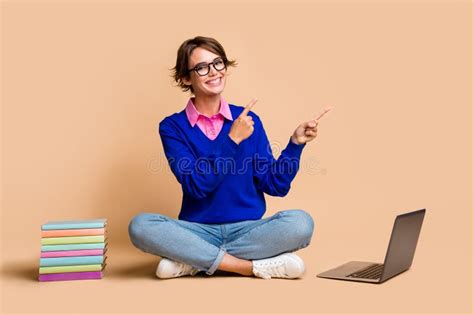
{"points": [[186, 80]]}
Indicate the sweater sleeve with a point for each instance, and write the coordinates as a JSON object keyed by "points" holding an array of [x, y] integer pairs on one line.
{"points": [[273, 176], [197, 176]]}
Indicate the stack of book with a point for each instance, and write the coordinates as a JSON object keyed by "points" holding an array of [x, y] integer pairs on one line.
{"points": [[73, 250]]}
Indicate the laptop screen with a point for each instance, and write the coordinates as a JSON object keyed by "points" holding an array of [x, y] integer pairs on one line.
{"points": [[401, 248]]}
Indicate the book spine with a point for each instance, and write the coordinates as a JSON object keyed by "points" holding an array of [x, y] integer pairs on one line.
{"points": [[73, 253], [76, 232], [71, 276], [70, 261], [48, 248], [64, 269], [68, 226], [72, 240]]}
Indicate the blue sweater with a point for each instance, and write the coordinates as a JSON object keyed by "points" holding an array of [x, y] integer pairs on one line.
{"points": [[222, 181]]}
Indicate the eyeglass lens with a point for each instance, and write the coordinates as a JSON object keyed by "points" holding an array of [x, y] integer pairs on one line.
{"points": [[218, 64]]}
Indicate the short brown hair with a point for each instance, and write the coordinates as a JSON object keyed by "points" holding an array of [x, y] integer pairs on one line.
{"points": [[184, 52]]}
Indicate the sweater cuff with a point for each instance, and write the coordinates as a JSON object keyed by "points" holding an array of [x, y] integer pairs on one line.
{"points": [[294, 149]]}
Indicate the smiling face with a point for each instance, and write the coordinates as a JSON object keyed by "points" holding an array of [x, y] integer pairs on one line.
{"points": [[211, 84]]}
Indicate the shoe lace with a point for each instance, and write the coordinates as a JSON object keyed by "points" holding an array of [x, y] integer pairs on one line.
{"points": [[185, 269], [271, 268]]}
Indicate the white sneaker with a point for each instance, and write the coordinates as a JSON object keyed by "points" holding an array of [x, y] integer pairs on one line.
{"points": [[168, 268], [286, 265]]}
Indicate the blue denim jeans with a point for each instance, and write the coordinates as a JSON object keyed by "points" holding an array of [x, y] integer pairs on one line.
{"points": [[204, 245]]}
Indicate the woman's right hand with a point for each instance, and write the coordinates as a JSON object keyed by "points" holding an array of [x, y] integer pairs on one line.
{"points": [[242, 127]]}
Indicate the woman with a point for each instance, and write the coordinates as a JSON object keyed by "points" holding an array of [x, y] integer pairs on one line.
{"points": [[220, 155]]}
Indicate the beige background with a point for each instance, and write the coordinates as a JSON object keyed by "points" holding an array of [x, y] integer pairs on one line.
{"points": [[85, 83]]}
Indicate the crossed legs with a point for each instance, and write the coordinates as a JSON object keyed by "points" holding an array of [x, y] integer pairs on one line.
{"points": [[230, 247]]}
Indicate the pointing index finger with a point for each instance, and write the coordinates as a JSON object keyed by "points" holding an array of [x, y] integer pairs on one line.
{"points": [[248, 107], [326, 110]]}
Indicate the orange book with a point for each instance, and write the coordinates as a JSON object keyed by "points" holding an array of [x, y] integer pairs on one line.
{"points": [[72, 232]]}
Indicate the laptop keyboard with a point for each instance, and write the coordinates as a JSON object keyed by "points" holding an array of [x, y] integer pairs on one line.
{"points": [[371, 272]]}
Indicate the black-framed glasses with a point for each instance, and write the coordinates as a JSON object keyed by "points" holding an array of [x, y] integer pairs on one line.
{"points": [[203, 68]]}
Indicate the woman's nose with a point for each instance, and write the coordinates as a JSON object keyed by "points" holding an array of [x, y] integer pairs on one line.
{"points": [[212, 72]]}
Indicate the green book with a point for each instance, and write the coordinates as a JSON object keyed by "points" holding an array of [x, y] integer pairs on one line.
{"points": [[74, 224], [77, 268], [72, 240], [51, 248]]}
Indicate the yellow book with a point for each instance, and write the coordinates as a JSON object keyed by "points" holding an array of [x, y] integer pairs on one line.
{"points": [[72, 240], [77, 268]]}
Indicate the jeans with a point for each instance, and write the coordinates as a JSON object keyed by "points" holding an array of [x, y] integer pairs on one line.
{"points": [[203, 245]]}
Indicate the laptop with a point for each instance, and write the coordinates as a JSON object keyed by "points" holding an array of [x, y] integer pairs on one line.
{"points": [[398, 258]]}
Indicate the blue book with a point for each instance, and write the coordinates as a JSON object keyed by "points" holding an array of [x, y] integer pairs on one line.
{"points": [[75, 224], [69, 261], [51, 248]]}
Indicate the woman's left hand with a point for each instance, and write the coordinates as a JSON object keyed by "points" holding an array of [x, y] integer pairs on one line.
{"points": [[308, 130]]}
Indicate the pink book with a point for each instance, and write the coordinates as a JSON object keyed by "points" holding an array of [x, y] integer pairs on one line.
{"points": [[72, 232], [71, 253], [71, 276]]}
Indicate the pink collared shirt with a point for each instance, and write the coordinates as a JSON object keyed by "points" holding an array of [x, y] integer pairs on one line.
{"points": [[210, 126]]}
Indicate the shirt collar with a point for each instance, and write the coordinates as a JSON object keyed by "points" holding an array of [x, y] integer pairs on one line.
{"points": [[193, 114]]}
